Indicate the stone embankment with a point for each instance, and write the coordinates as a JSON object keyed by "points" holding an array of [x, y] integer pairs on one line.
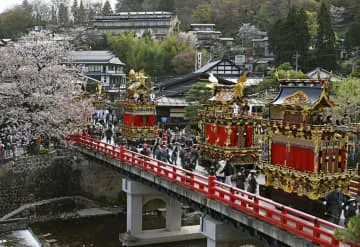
{"points": [[64, 208], [61, 173]]}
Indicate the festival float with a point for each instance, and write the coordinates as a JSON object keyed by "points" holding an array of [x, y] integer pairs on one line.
{"points": [[228, 130], [139, 108], [308, 155], [99, 101]]}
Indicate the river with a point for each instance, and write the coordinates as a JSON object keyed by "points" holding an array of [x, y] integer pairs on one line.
{"points": [[97, 232]]}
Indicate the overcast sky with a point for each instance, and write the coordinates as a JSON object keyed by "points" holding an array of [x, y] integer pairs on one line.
{"points": [[5, 4]]}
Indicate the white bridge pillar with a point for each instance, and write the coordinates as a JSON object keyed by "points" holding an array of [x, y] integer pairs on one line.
{"points": [[219, 234], [137, 196]]}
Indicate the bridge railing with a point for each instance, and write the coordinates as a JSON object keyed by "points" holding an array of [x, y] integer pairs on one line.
{"points": [[355, 186], [304, 225]]}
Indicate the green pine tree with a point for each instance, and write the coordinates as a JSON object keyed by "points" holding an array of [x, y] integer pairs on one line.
{"points": [[325, 40], [75, 12], [290, 37], [202, 13], [276, 41], [26, 6], [132, 5], [118, 6], [14, 23], [352, 38], [197, 95], [352, 232], [166, 5], [63, 14], [82, 13], [53, 15], [106, 10]]}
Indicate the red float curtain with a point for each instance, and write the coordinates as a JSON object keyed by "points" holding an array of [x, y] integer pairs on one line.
{"points": [[301, 159], [278, 154], [249, 136], [233, 136], [128, 119], [125, 117], [131, 120], [221, 135], [342, 160], [210, 136], [138, 121], [151, 120]]}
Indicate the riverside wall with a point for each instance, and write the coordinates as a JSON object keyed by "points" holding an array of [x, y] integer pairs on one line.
{"points": [[56, 174]]}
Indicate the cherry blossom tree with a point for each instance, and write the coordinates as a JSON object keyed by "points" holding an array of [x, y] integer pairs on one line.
{"points": [[44, 98]]}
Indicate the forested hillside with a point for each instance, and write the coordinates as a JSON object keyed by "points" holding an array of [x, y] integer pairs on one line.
{"points": [[229, 14]]}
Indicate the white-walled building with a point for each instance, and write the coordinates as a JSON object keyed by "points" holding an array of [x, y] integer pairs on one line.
{"points": [[103, 66]]}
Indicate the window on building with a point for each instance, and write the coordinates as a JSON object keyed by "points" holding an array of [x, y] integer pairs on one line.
{"points": [[94, 68]]}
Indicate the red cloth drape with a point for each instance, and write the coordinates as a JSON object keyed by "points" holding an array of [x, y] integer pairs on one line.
{"points": [[128, 119], [233, 136], [209, 134], [278, 154], [138, 120], [151, 120], [301, 159], [222, 135], [125, 117], [249, 135], [342, 160]]}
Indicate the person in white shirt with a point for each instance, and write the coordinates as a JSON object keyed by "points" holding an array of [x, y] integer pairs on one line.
{"points": [[236, 109]]}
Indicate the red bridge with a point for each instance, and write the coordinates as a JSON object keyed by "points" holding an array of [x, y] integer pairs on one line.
{"points": [[317, 231]]}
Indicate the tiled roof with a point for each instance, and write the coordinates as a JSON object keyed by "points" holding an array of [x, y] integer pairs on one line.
{"points": [[324, 74], [94, 57], [171, 101], [301, 92]]}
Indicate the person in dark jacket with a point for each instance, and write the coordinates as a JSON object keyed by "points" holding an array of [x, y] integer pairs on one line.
{"points": [[335, 200], [185, 158], [108, 134], [163, 154], [174, 154], [228, 171], [240, 179], [252, 186], [146, 150]]}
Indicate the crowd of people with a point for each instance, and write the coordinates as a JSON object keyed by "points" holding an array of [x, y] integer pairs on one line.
{"points": [[337, 203], [12, 142]]}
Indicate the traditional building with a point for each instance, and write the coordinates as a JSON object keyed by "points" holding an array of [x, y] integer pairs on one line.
{"points": [[247, 33], [323, 74], [139, 110], [171, 93], [102, 66], [228, 129], [206, 34], [159, 23], [308, 155]]}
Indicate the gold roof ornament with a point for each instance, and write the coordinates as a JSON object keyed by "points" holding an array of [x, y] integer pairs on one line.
{"points": [[138, 83], [132, 74], [140, 76], [331, 74], [318, 74], [240, 85], [99, 86]]}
